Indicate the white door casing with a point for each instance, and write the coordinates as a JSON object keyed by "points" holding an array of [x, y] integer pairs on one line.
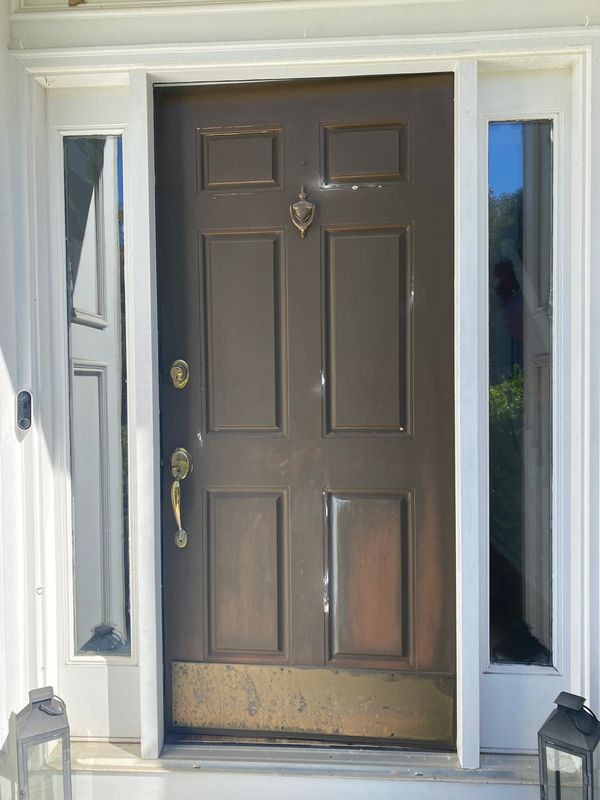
{"points": [[102, 692], [515, 699]]}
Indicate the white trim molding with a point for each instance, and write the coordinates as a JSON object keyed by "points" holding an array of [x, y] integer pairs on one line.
{"points": [[145, 457], [101, 23], [586, 202], [515, 698], [307, 58], [469, 419], [108, 7]]}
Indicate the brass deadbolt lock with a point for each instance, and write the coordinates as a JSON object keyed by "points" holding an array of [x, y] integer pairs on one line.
{"points": [[181, 464]]}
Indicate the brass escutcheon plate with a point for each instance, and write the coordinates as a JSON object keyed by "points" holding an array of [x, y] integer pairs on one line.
{"points": [[180, 373]]}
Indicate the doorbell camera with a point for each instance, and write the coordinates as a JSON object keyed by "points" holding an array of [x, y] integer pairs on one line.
{"points": [[24, 411]]}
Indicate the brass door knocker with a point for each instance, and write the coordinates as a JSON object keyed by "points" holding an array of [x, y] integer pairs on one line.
{"points": [[302, 213]]}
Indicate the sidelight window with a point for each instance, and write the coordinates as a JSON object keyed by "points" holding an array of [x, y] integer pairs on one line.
{"points": [[520, 195], [93, 176]]}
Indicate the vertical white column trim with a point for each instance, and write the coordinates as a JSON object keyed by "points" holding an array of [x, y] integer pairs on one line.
{"points": [[587, 94], [14, 620], [27, 114], [144, 408], [34, 487], [468, 414]]}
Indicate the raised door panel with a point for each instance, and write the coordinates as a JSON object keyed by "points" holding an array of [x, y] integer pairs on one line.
{"points": [[365, 153], [244, 332], [367, 331], [370, 552], [239, 159], [247, 583]]}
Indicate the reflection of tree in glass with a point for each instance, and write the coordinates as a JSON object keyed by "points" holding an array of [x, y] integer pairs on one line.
{"points": [[509, 292], [511, 637], [506, 222], [506, 437], [506, 387]]}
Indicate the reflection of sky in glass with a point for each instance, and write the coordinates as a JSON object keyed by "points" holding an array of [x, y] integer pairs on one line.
{"points": [[505, 157]]}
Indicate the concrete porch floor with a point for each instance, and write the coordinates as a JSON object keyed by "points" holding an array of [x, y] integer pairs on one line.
{"points": [[103, 771]]}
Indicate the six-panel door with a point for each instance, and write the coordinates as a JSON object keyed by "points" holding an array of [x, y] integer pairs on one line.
{"points": [[315, 596]]}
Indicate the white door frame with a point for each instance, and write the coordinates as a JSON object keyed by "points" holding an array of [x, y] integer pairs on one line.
{"points": [[515, 699], [465, 56]]}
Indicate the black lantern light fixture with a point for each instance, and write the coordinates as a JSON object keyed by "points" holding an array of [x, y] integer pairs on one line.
{"points": [[43, 748], [568, 751]]}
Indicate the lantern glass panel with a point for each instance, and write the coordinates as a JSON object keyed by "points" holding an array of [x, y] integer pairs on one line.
{"points": [[565, 775], [44, 770]]}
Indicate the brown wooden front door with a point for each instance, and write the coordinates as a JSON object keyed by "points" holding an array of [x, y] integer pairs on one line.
{"points": [[315, 595]]}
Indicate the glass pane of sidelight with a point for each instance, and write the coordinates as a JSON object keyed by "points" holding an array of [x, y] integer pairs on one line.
{"points": [[520, 395], [96, 305]]}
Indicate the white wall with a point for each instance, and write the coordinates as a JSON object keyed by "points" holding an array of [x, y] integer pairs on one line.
{"points": [[21, 572], [13, 668], [84, 25]]}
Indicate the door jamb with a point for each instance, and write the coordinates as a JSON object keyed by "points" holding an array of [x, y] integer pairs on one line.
{"points": [[468, 417], [468, 467], [470, 375]]}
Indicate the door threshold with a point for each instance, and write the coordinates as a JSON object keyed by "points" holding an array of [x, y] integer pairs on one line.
{"points": [[290, 741]]}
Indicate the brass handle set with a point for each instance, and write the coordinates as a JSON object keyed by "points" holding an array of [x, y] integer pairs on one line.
{"points": [[181, 466], [302, 214]]}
